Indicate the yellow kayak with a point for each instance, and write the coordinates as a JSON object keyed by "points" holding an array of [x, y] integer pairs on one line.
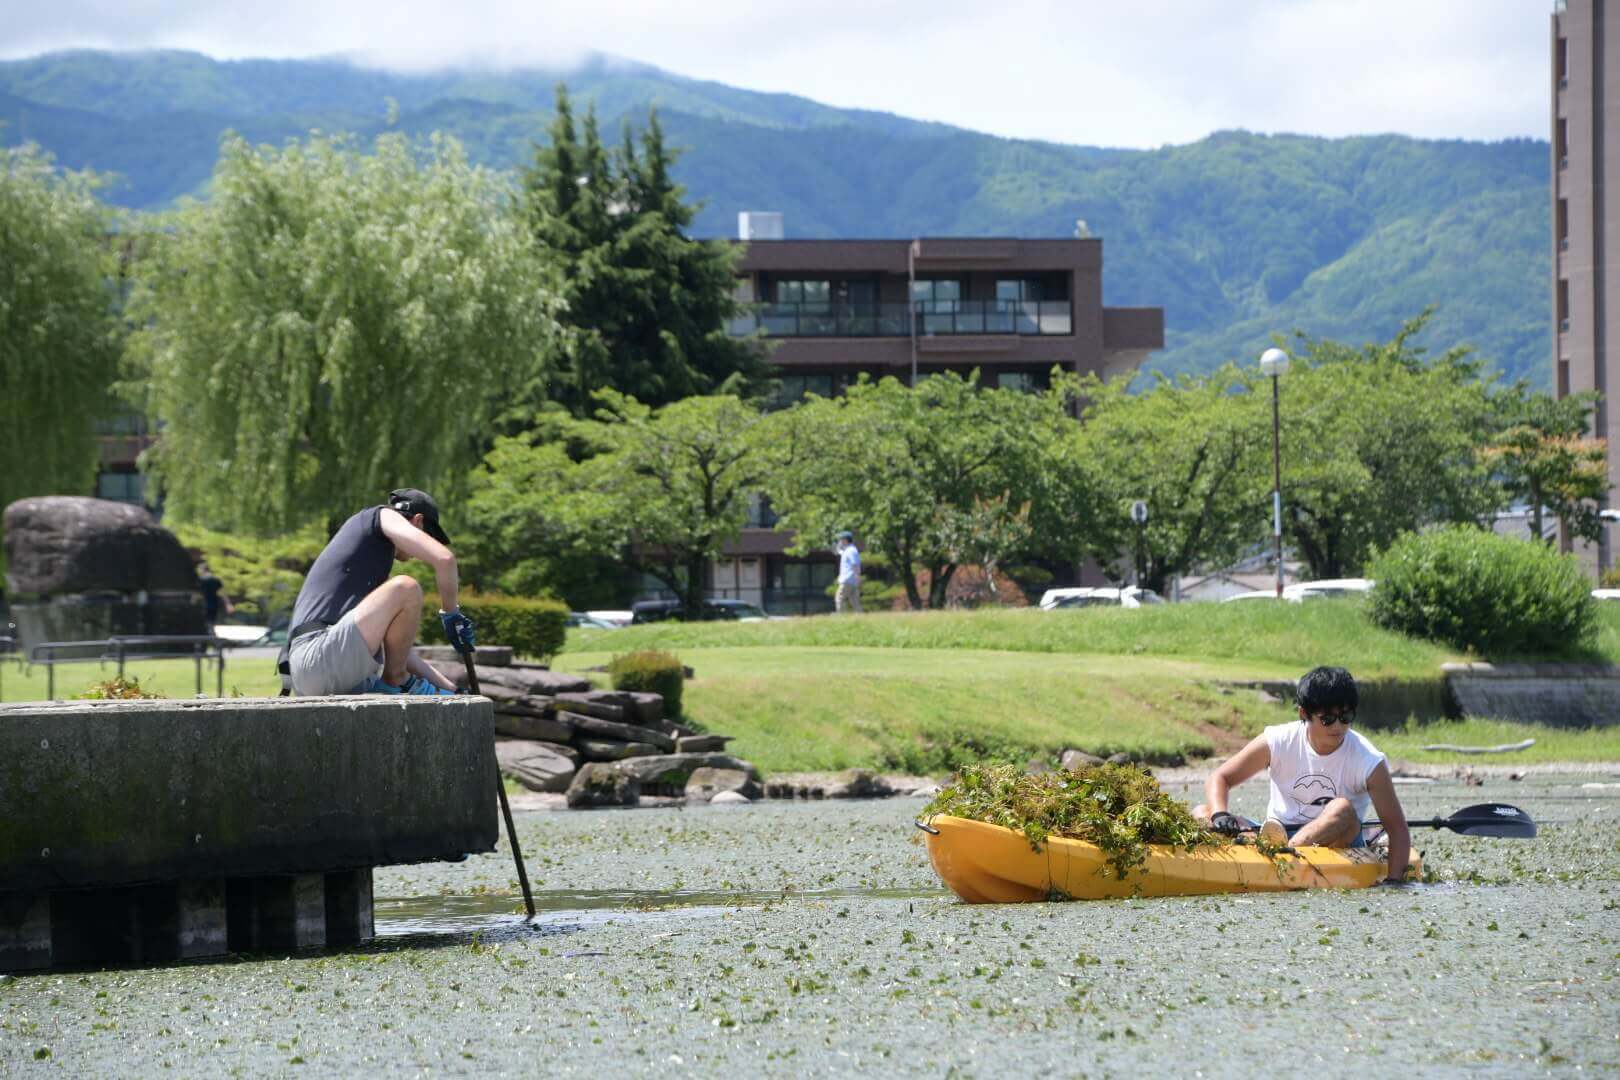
{"points": [[987, 864]]}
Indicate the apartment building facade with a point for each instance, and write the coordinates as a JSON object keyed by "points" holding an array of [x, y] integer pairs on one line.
{"points": [[1585, 93], [836, 310]]}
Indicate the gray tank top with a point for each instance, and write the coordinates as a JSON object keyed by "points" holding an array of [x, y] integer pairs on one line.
{"points": [[357, 559]]}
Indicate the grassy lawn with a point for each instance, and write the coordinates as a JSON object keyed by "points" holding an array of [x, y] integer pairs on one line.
{"points": [[171, 678], [929, 709], [1552, 744]]}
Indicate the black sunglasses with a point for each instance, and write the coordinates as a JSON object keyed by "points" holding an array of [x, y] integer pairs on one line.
{"points": [[1347, 717]]}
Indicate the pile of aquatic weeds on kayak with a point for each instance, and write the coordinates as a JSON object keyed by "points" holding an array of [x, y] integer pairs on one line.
{"points": [[1119, 808]]}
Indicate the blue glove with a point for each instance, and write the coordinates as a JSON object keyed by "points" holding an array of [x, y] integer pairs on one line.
{"points": [[458, 630]]}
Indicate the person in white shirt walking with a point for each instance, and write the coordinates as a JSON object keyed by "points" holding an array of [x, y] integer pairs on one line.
{"points": [[848, 597], [1325, 779]]}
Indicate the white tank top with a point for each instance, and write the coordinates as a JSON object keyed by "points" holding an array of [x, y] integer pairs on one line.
{"points": [[1303, 781]]}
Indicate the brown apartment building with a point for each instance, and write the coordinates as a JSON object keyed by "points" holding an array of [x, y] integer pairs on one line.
{"points": [[839, 309], [1586, 214]]}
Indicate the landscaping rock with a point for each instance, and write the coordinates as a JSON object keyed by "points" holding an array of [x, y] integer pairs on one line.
{"points": [[612, 749], [603, 704], [701, 744], [849, 784], [706, 783], [1078, 759], [601, 784], [523, 680], [730, 798], [538, 766], [524, 726], [528, 705], [649, 709], [63, 544], [496, 692], [445, 657], [608, 729], [1120, 758]]}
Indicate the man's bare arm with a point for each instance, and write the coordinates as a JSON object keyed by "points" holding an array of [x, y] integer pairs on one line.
{"points": [[1233, 771], [413, 543], [418, 666], [1392, 818]]}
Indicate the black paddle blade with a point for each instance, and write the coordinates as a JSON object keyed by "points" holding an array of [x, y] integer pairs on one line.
{"points": [[1491, 819]]}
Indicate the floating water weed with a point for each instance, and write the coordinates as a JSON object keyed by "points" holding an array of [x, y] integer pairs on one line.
{"points": [[1119, 808]]}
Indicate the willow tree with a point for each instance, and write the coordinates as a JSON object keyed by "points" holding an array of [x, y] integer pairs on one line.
{"points": [[58, 331], [333, 324]]}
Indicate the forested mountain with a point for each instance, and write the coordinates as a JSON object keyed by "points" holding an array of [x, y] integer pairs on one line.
{"points": [[1236, 236]]}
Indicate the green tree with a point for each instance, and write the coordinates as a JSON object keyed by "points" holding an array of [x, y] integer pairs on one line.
{"points": [[59, 338], [1377, 441], [1545, 459], [647, 306], [660, 490], [1192, 448], [911, 469], [332, 324]]}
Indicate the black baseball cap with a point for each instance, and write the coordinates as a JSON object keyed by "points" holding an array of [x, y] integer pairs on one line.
{"points": [[413, 501]]}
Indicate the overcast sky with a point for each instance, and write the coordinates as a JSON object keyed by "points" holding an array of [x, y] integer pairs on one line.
{"points": [[1101, 72]]}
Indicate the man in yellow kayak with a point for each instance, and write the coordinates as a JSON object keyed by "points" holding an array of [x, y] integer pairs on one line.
{"points": [[1325, 779]]}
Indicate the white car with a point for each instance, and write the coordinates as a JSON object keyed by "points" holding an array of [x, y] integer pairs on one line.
{"points": [[1079, 596], [1301, 591], [615, 617], [1606, 594]]}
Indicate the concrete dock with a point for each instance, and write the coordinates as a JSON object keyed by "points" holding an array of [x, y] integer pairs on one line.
{"points": [[137, 831]]}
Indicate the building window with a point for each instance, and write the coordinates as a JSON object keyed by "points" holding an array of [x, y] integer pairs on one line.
{"points": [[1561, 142], [127, 487], [1563, 378], [792, 389], [760, 514], [1563, 304], [1563, 224], [1561, 61], [803, 292], [1028, 382]]}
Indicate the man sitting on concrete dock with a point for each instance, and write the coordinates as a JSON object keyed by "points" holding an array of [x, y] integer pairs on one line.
{"points": [[351, 618], [1325, 778]]}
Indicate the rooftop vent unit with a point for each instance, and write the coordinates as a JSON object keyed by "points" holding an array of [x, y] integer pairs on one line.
{"points": [[759, 225]]}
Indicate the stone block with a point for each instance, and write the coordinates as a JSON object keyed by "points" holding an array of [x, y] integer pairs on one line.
{"points": [[701, 744], [350, 918], [612, 750], [446, 658], [542, 728], [604, 704], [538, 766], [597, 728], [705, 783], [281, 912], [602, 785], [649, 709], [239, 787]]}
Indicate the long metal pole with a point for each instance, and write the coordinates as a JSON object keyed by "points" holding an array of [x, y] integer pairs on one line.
{"points": [[506, 806], [1276, 482]]}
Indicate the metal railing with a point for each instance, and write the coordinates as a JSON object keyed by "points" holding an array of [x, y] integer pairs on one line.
{"points": [[930, 317], [121, 649]]}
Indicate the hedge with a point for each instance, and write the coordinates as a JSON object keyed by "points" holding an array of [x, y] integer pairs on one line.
{"points": [[651, 671], [1490, 594], [532, 627]]}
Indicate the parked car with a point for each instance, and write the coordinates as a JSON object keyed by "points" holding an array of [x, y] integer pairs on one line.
{"points": [[611, 616], [1606, 594], [1301, 591], [648, 611], [585, 620], [1098, 596]]}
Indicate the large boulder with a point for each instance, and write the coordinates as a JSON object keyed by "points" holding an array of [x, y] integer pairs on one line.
{"points": [[598, 785], [705, 783], [62, 544], [607, 729]]}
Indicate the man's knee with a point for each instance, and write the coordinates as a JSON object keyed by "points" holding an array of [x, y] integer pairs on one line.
{"points": [[1340, 819], [406, 588]]}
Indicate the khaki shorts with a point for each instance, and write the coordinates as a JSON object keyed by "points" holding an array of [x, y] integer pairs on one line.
{"points": [[332, 661]]}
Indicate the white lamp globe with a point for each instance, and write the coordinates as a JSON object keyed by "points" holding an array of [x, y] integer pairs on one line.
{"points": [[1274, 362]]}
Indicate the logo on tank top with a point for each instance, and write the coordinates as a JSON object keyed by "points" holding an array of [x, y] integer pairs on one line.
{"points": [[1311, 792]]}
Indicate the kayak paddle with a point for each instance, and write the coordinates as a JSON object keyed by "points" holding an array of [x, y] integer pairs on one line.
{"points": [[1485, 819]]}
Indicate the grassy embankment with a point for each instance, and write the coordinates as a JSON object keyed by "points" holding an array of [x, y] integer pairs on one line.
{"points": [[924, 691]]}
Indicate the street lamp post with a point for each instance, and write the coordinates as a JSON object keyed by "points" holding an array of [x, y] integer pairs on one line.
{"points": [[1274, 362]]}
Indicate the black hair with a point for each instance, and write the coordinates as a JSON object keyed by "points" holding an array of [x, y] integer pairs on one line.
{"points": [[1327, 688]]}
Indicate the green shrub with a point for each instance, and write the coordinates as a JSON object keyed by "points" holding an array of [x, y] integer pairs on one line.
{"points": [[651, 671], [1487, 593], [532, 627]]}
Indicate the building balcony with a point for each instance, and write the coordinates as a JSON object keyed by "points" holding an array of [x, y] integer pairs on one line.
{"points": [[924, 318]]}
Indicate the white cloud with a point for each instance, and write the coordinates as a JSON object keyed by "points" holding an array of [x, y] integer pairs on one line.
{"points": [[1086, 71]]}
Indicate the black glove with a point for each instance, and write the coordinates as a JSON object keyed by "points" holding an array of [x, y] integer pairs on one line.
{"points": [[1225, 823]]}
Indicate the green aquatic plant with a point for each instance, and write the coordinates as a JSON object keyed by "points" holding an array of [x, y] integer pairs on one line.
{"points": [[117, 688], [1120, 808]]}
